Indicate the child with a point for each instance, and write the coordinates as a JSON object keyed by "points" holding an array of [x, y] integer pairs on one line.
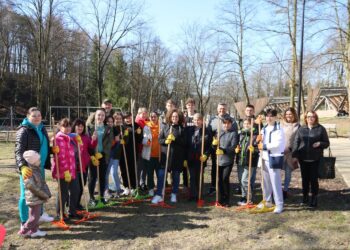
{"points": [[36, 193], [67, 169], [226, 154], [242, 151]]}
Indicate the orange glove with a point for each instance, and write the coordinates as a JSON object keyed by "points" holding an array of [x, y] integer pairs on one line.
{"points": [[148, 142], [260, 146], [259, 138], [237, 149], [55, 149]]}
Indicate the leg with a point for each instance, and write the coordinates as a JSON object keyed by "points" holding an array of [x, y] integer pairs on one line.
{"points": [[305, 177], [108, 170], [226, 183], [240, 170], [267, 182], [185, 177], [150, 172], [213, 170], [102, 180], [115, 174], [252, 182], [192, 170], [22, 206], [287, 177], [197, 173], [32, 223], [176, 181], [74, 190], [64, 196], [314, 178], [221, 185], [244, 182], [276, 183], [123, 172], [161, 173]]}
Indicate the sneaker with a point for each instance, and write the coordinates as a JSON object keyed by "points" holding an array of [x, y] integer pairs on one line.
{"points": [[126, 192], [133, 192], [242, 202], [151, 192], [107, 195], [156, 199], [278, 210], [266, 204], [45, 218], [92, 203], [173, 198], [38, 233]]}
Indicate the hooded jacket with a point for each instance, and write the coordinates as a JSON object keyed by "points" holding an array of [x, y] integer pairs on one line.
{"points": [[228, 142], [244, 143]]}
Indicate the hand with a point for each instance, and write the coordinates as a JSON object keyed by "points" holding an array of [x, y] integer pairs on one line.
{"points": [[26, 172], [148, 142], [258, 120], [260, 146], [55, 149], [171, 137], [94, 136], [219, 151], [167, 142], [67, 176], [138, 130], [203, 158], [126, 132], [78, 139], [116, 138], [259, 138], [98, 155], [215, 142], [316, 144], [94, 161], [185, 164], [122, 142], [295, 163], [251, 149], [237, 149]]}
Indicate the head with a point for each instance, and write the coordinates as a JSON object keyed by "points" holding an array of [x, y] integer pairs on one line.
{"points": [[127, 118], [169, 105], [290, 115], [79, 127], [311, 118], [142, 113], [65, 126], [246, 123], [190, 105], [154, 117], [222, 109], [271, 116], [32, 157], [107, 105], [110, 121], [34, 116], [227, 123], [249, 110], [174, 117], [100, 116], [198, 120], [118, 119]]}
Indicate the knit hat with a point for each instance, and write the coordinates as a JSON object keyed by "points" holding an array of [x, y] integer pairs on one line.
{"points": [[32, 157]]}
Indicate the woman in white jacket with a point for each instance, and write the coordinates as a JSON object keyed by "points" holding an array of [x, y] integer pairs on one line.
{"points": [[272, 144]]}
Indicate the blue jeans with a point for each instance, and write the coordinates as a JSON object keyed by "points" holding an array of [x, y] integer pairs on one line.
{"points": [[113, 169], [176, 181], [244, 180], [287, 176]]}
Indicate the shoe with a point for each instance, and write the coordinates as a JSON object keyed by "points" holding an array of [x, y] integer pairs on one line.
{"points": [[133, 192], [92, 202], [143, 187], [45, 218], [278, 210], [242, 202], [266, 204], [151, 192], [126, 192], [211, 191], [156, 199], [173, 198], [313, 202], [75, 216], [38, 233], [305, 200], [107, 195]]}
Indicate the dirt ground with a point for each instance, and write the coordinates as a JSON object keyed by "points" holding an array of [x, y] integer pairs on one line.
{"points": [[140, 226]]}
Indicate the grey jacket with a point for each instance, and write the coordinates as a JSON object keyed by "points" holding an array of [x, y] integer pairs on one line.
{"points": [[228, 143], [36, 190], [214, 123]]}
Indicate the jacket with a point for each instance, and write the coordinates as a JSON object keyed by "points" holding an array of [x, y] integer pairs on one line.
{"points": [[36, 190], [150, 134], [228, 142], [305, 138], [66, 156], [87, 146], [194, 143], [244, 143], [290, 130], [214, 123], [273, 141], [177, 147]]}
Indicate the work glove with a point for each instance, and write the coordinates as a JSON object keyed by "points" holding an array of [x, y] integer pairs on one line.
{"points": [[55, 149], [185, 164], [126, 132], [26, 172], [122, 142], [98, 155], [94, 161], [67, 176], [138, 130], [260, 146], [251, 149], [219, 151], [171, 137], [167, 141], [259, 138], [148, 142], [258, 120], [237, 149], [215, 142], [203, 158], [78, 139]]}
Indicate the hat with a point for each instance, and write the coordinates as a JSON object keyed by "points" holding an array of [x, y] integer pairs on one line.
{"points": [[32, 157], [107, 100]]}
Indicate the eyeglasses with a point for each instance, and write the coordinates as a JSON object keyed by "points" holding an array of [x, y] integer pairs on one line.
{"points": [[310, 116]]}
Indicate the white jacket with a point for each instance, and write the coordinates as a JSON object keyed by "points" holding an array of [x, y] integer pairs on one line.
{"points": [[146, 149], [274, 141]]}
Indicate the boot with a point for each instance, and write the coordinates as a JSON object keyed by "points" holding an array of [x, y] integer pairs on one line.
{"points": [[305, 200], [313, 202]]}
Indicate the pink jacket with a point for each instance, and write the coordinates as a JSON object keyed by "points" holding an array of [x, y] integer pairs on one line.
{"points": [[85, 156], [66, 156]]}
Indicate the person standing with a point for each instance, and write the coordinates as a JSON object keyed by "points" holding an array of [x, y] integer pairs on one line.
{"points": [[309, 143]]}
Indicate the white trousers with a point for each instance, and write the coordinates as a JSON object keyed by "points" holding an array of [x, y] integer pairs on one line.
{"points": [[272, 184]]}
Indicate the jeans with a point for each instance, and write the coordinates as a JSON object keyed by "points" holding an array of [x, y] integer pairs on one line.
{"points": [[152, 166], [176, 180], [113, 169], [287, 176], [243, 172]]}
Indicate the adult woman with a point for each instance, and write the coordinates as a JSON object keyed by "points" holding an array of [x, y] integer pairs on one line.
{"points": [[290, 126], [309, 143], [31, 135]]}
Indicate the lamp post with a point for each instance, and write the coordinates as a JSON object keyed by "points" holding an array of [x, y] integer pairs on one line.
{"points": [[301, 61]]}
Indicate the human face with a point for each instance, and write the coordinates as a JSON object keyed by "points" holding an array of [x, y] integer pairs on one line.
{"points": [[169, 106], [311, 118], [100, 116], [249, 111], [270, 119], [198, 122], [175, 118], [79, 129], [109, 122], [35, 117], [289, 117], [222, 110], [227, 125], [118, 120], [154, 118], [144, 115], [246, 124], [107, 106], [66, 130], [127, 120], [190, 107]]}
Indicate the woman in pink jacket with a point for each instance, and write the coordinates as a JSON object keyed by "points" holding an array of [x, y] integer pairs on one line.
{"points": [[67, 162]]}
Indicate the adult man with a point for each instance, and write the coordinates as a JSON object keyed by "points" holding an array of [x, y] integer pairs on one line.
{"points": [[213, 126], [107, 106]]}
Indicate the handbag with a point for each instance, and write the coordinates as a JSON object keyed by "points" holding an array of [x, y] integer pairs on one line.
{"points": [[276, 162], [326, 167]]}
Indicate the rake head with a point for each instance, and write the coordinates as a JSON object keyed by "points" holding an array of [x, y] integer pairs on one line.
{"points": [[162, 204], [61, 224], [200, 203]]}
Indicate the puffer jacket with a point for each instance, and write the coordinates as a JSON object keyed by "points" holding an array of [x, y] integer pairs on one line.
{"points": [[305, 138], [228, 142], [28, 139], [36, 190]]}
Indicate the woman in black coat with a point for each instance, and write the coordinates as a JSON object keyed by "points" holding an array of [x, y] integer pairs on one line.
{"points": [[172, 134], [309, 143]]}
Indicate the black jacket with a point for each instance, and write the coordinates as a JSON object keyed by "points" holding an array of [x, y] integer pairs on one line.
{"points": [[304, 138], [28, 139], [194, 143]]}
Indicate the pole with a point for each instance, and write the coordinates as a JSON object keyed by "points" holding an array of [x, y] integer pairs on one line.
{"points": [[301, 60], [202, 164]]}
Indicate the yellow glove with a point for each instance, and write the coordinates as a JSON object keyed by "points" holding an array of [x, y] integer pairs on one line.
{"points": [[126, 132], [67, 176], [55, 149], [251, 149], [167, 141], [138, 130], [98, 156], [26, 172], [203, 158], [237, 149], [122, 142], [94, 161], [185, 164], [171, 137], [78, 138], [215, 142], [219, 151]]}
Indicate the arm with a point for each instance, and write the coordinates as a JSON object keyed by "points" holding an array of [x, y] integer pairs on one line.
{"points": [[162, 137], [276, 141], [296, 143], [20, 147], [324, 142], [146, 135]]}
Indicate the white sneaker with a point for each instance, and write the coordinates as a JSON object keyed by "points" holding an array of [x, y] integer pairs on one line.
{"points": [[156, 199], [45, 218], [278, 210], [173, 198], [107, 195], [133, 192], [151, 192], [38, 233], [266, 204], [126, 192]]}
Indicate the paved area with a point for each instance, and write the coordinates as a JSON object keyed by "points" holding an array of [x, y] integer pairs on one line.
{"points": [[340, 148]]}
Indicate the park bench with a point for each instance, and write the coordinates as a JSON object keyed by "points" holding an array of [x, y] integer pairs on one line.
{"points": [[331, 128]]}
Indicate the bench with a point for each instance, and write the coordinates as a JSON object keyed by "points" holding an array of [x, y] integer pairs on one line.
{"points": [[331, 128]]}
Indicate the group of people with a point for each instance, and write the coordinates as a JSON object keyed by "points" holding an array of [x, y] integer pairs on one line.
{"points": [[108, 143]]}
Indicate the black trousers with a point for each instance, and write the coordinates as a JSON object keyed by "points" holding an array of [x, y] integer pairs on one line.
{"points": [[185, 177], [224, 184], [309, 177], [69, 193], [81, 186], [131, 169], [213, 170], [195, 171], [93, 178]]}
